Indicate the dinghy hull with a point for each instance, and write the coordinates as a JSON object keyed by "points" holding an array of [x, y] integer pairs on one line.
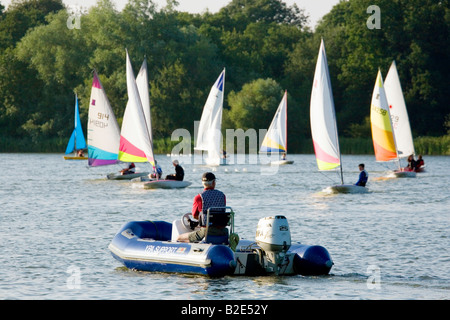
{"points": [[281, 162], [166, 184], [403, 174], [118, 176], [74, 158], [346, 188]]}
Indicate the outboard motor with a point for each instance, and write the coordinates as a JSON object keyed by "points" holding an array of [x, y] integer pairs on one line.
{"points": [[274, 238]]}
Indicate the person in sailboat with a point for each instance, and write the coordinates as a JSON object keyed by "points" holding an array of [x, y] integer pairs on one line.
{"points": [[411, 163], [130, 170], [80, 153], [210, 197], [363, 176], [157, 171], [283, 156], [179, 172], [419, 163]]}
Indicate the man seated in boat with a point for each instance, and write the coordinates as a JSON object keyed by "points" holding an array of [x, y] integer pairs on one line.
{"points": [[131, 169], [80, 153], [179, 172], [419, 163], [210, 197], [363, 176]]}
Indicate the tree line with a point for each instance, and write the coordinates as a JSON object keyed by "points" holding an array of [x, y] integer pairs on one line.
{"points": [[48, 52]]}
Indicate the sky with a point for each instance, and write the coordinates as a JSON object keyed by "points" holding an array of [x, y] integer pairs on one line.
{"points": [[314, 8]]}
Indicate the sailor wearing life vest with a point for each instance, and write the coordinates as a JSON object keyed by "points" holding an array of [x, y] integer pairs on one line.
{"points": [[209, 198], [363, 176]]}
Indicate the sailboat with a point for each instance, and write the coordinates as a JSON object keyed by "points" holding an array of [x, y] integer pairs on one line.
{"points": [[76, 141], [324, 127], [209, 137], [399, 118], [383, 135], [103, 131], [275, 140], [136, 144]]}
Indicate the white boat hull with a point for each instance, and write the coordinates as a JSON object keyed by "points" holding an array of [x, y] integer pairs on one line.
{"points": [[403, 174], [346, 188], [166, 184], [281, 162]]}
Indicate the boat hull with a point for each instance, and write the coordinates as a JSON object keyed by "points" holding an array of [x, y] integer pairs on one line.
{"points": [[346, 188], [403, 174], [281, 162], [118, 176], [74, 158], [166, 184], [135, 246], [148, 246]]}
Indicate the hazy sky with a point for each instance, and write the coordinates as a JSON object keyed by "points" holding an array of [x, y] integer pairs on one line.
{"points": [[314, 8]]}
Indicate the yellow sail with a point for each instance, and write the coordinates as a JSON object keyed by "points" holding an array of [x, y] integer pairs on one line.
{"points": [[382, 133]]}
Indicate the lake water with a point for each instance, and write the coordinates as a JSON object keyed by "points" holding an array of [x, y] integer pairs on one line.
{"points": [[58, 217]]}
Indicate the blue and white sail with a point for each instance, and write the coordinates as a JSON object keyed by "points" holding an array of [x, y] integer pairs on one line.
{"points": [[77, 140], [209, 137]]}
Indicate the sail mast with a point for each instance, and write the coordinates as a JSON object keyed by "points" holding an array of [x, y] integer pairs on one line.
{"points": [[285, 126]]}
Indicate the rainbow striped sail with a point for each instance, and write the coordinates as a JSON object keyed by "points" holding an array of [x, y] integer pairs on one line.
{"points": [[323, 117], [275, 139], [135, 140], [380, 120], [103, 131]]}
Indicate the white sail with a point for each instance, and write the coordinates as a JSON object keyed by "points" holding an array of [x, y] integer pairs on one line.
{"points": [[142, 85], [399, 114], [135, 141], [103, 132], [323, 117], [275, 138], [209, 135]]}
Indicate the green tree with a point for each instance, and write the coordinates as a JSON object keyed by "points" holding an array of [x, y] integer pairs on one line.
{"points": [[255, 105], [19, 85]]}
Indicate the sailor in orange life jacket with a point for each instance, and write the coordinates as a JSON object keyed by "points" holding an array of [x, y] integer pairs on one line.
{"points": [[210, 197]]}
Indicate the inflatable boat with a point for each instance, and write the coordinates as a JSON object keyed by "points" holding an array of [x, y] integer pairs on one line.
{"points": [[152, 246]]}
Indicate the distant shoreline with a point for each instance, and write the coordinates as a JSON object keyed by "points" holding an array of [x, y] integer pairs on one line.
{"points": [[349, 146]]}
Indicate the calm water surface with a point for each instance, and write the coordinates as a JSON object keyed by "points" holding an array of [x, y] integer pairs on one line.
{"points": [[58, 218]]}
